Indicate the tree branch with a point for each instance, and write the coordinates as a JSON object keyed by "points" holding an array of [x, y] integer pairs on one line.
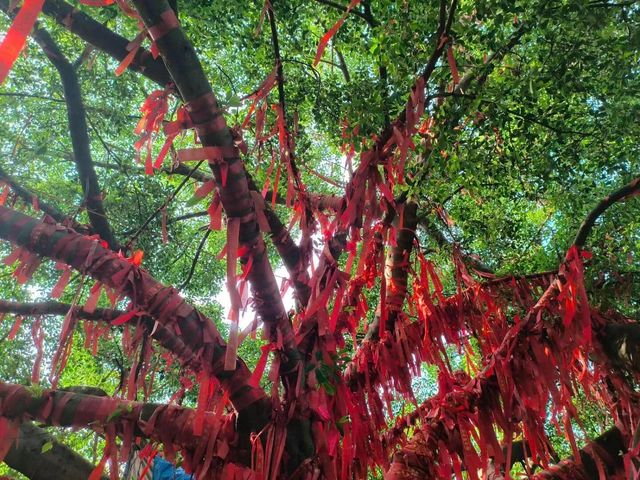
{"points": [[278, 232], [103, 39], [59, 462], [337, 244], [171, 425], [443, 30], [186, 71], [281, 95], [196, 257], [627, 190], [342, 8], [433, 231], [78, 130], [342, 65], [604, 450], [58, 308], [31, 198], [396, 270], [383, 73], [205, 348], [164, 336]]}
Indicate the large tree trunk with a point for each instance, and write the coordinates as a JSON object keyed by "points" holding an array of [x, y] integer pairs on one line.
{"points": [[396, 271]]}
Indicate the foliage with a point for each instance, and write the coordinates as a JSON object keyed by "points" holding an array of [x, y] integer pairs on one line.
{"points": [[507, 172]]}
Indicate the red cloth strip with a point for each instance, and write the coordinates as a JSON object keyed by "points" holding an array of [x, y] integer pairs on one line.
{"points": [[16, 38], [168, 22]]}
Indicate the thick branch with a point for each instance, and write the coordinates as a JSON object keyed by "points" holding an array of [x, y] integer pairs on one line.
{"points": [[57, 463], [604, 449], [32, 199], [162, 303], [620, 342], [290, 253], [397, 265], [278, 232], [164, 336], [186, 71], [79, 132], [102, 38], [170, 424]]}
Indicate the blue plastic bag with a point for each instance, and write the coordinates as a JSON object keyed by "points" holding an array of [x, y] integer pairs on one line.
{"points": [[163, 470]]}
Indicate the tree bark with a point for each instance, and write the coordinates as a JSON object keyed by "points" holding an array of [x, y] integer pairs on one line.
{"points": [[57, 463], [396, 271], [79, 132], [203, 348], [170, 424], [185, 69]]}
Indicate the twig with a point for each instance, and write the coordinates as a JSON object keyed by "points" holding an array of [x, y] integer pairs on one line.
{"points": [[342, 8], [164, 204], [195, 259]]}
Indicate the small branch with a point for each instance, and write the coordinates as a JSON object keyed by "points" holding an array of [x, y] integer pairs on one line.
{"points": [[343, 8], [57, 308], [443, 30], [31, 199], [342, 65], [188, 216], [164, 204], [443, 242], [278, 60], [282, 98], [30, 95], [442, 14], [604, 4], [491, 61], [627, 190], [195, 259]]}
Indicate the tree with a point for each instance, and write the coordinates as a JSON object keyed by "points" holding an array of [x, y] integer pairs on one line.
{"points": [[448, 189]]}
